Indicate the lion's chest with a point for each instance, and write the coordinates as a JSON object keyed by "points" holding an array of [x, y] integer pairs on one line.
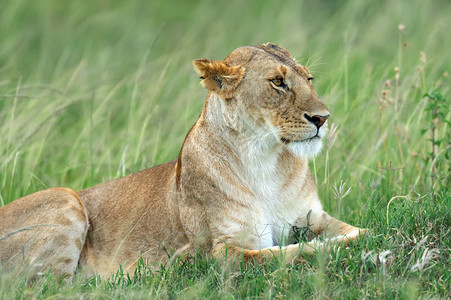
{"points": [[277, 208]]}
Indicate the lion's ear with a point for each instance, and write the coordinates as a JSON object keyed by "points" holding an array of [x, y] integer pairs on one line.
{"points": [[218, 77]]}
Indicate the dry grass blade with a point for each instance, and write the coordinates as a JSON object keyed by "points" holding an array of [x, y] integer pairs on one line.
{"points": [[24, 229]]}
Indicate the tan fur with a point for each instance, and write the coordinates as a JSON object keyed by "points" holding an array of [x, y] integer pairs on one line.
{"points": [[239, 185], [43, 230]]}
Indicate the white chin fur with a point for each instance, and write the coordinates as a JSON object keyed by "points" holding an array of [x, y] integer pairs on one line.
{"points": [[309, 148]]}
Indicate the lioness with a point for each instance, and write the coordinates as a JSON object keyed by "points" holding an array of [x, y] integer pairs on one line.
{"points": [[238, 187]]}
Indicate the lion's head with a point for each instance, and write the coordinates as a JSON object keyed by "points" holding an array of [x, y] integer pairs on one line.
{"points": [[264, 91]]}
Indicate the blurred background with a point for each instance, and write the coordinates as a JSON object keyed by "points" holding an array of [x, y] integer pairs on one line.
{"points": [[91, 91]]}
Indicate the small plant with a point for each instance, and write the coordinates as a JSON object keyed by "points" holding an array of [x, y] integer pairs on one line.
{"points": [[304, 233], [340, 192], [439, 136]]}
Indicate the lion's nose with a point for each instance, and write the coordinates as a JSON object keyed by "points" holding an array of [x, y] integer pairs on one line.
{"points": [[317, 120]]}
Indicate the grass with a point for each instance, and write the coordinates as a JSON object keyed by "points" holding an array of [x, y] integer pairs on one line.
{"points": [[92, 92]]}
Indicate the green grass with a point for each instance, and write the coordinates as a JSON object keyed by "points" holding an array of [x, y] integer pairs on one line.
{"points": [[94, 91]]}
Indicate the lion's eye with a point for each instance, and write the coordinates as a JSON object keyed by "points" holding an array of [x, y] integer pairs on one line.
{"points": [[310, 79], [278, 81]]}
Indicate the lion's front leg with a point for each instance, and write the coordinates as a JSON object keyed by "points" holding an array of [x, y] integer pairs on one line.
{"points": [[287, 254], [334, 230]]}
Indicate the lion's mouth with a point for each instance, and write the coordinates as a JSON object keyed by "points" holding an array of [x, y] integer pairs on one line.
{"points": [[287, 141]]}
